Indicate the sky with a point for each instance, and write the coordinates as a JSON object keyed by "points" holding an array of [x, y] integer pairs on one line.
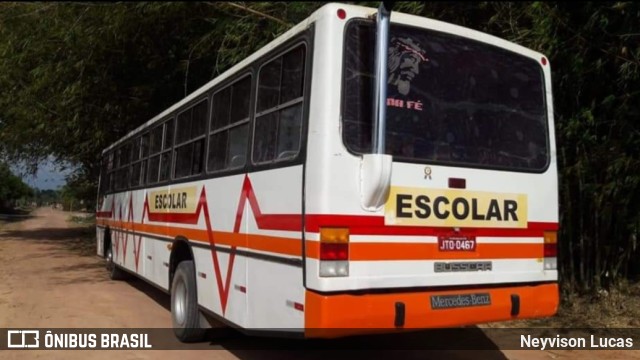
{"points": [[48, 176]]}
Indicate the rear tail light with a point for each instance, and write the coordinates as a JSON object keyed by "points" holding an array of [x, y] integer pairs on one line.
{"points": [[550, 250], [334, 252], [330, 251]]}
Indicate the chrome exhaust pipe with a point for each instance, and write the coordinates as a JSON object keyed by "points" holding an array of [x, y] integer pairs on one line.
{"points": [[381, 74]]}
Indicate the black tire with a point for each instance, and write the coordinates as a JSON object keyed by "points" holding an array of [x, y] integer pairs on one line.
{"points": [[185, 314], [115, 273]]}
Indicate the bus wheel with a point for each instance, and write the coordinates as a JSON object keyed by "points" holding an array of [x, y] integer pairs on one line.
{"points": [[184, 304], [115, 273]]}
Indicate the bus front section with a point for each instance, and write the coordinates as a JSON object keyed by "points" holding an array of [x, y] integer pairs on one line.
{"points": [[444, 212]]}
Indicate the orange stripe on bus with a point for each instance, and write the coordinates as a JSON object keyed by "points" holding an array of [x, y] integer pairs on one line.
{"points": [[279, 245], [357, 251], [412, 251]]}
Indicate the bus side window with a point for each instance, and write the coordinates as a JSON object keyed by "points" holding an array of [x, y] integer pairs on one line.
{"points": [[136, 154], [190, 135], [123, 156], [167, 144], [144, 153], [278, 123], [165, 158], [229, 124], [110, 176], [155, 146], [105, 174]]}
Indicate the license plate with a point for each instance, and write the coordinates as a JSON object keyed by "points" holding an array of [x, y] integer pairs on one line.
{"points": [[456, 243]]}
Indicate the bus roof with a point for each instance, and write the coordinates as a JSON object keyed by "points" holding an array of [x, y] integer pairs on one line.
{"points": [[330, 10]]}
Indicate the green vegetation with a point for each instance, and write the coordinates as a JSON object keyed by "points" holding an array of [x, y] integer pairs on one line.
{"points": [[46, 197], [77, 76], [13, 191], [83, 220]]}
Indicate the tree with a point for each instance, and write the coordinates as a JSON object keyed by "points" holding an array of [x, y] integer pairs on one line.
{"points": [[46, 197], [12, 188]]}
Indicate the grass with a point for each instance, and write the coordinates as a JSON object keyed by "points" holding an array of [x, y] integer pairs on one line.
{"points": [[84, 243], [89, 219], [83, 239], [618, 307]]}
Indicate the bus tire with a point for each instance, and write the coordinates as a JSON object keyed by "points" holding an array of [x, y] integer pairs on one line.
{"points": [[185, 314], [115, 273]]}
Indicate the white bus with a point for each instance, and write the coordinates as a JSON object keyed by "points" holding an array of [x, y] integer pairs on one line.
{"points": [[295, 192]]}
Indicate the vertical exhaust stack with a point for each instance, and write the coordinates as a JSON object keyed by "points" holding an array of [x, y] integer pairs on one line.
{"points": [[375, 170], [381, 73]]}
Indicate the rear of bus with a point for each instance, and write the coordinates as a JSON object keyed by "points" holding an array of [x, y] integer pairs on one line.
{"points": [[459, 226]]}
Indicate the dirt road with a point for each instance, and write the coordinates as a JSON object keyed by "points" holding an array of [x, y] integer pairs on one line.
{"points": [[50, 278]]}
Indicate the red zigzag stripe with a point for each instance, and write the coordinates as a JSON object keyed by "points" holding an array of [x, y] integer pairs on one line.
{"points": [[291, 222]]}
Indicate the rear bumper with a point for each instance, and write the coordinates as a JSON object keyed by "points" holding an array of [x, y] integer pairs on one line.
{"points": [[351, 314]]}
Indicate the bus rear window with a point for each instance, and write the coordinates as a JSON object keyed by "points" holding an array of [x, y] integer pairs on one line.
{"points": [[451, 100]]}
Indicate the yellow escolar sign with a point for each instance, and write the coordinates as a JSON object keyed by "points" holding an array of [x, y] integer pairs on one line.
{"points": [[455, 208], [173, 201]]}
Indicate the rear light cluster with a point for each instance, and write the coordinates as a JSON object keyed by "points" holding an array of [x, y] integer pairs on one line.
{"points": [[334, 252], [550, 250], [330, 251]]}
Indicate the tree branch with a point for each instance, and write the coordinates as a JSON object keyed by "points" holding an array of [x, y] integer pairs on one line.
{"points": [[256, 12]]}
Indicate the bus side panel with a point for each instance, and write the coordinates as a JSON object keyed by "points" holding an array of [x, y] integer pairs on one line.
{"points": [[276, 295], [142, 255], [149, 263], [275, 285], [224, 301], [104, 214], [140, 249], [101, 210], [219, 246], [158, 266], [119, 236], [100, 231], [324, 143]]}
